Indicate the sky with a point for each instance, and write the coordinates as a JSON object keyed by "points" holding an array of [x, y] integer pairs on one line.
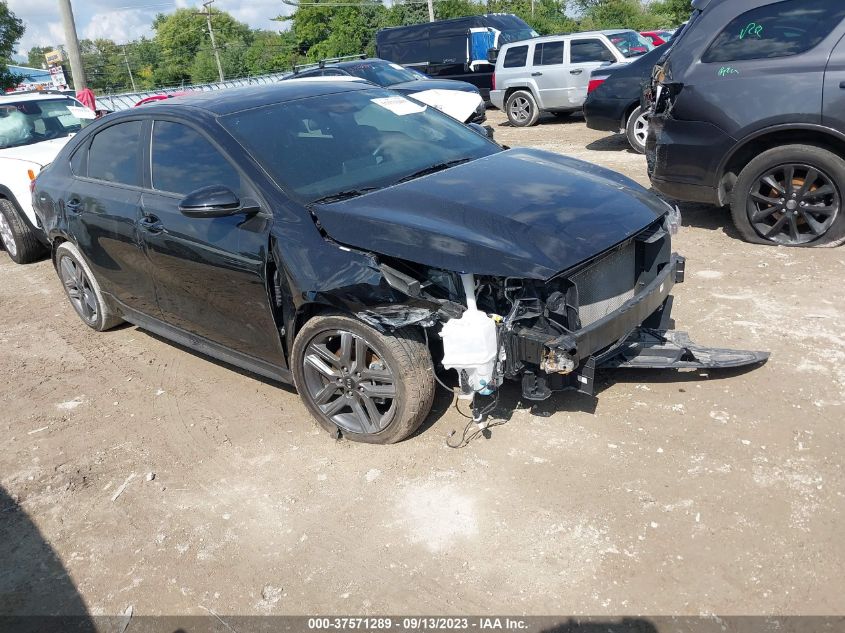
{"points": [[125, 20]]}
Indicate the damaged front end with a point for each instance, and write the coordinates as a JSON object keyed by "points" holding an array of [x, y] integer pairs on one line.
{"points": [[612, 311]]}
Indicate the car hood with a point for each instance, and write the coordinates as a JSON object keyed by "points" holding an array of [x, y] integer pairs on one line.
{"points": [[458, 104], [434, 84], [517, 213], [41, 153]]}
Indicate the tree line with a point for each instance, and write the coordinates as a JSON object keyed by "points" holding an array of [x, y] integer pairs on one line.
{"points": [[180, 51]]}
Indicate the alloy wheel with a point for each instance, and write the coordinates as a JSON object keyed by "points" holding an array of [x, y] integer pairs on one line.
{"points": [[793, 204], [78, 289], [350, 382], [7, 237], [520, 109], [641, 129]]}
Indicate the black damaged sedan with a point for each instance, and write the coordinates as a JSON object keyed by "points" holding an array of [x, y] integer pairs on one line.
{"points": [[348, 240]]}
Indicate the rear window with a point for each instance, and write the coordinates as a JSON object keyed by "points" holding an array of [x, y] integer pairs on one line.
{"points": [[548, 53], [515, 57], [781, 29]]}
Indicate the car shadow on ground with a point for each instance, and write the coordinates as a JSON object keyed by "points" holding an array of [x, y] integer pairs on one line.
{"points": [[551, 119], [613, 143], [705, 216], [36, 591]]}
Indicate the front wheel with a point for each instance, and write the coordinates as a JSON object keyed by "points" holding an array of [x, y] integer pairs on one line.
{"points": [[791, 196], [366, 385], [16, 236], [636, 129], [521, 108]]}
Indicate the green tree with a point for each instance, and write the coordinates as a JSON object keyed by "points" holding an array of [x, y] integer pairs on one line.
{"points": [[11, 30], [181, 37], [617, 14], [673, 12], [270, 52], [35, 56]]}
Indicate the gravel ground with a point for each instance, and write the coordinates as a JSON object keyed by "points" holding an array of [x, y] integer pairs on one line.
{"points": [[667, 494]]}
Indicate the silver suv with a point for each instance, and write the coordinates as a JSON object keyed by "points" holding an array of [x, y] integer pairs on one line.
{"points": [[552, 73]]}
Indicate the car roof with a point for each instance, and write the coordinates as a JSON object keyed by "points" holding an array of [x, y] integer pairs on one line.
{"points": [[568, 36], [221, 102], [33, 96]]}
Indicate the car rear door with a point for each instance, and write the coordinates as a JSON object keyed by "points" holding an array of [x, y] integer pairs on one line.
{"points": [[550, 75], [102, 206], [584, 56], [209, 273]]}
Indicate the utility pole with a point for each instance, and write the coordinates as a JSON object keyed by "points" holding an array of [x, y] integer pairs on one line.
{"points": [[72, 44], [129, 68], [207, 6], [431, 10]]}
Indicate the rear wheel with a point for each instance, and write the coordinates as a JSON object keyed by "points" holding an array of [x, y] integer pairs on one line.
{"points": [[522, 109], [791, 196], [637, 129], [369, 386], [82, 289], [16, 236]]}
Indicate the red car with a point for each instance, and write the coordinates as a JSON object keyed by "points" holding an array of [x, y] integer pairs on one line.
{"points": [[658, 37]]}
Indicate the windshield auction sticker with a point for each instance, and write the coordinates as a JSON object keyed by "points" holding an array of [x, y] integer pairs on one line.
{"points": [[399, 105]]}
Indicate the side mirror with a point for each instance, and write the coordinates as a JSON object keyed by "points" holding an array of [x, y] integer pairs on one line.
{"points": [[492, 55], [484, 130], [215, 201]]}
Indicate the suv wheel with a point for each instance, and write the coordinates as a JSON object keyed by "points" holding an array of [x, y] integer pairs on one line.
{"points": [[16, 236], [82, 289], [791, 196], [521, 109], [368, 386], [637, 129]]}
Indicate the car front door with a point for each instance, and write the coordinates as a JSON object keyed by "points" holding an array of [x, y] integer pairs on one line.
{"points": [[833, 106], [209, 273], [550, 75], [102, 207], [585, 55]]}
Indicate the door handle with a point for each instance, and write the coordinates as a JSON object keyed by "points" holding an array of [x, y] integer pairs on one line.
{"points": [[74, 206], [151, 224], [576, 72], [536, 74], [842, 85]]}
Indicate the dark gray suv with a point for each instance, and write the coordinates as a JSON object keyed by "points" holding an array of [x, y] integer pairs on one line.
{"points": [[748, 110]]}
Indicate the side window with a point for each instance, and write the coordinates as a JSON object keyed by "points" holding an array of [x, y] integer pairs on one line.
{"points": [[548, 53], [114, 155], [516, 57], [183, 161], [776, 30], [79, 162], [589, 51]]}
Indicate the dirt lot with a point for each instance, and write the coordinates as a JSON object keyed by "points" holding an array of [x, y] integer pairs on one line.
{"points": [[669, 493]]}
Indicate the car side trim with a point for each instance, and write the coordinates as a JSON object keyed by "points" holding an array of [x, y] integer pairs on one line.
{"points": [[203, 345]]}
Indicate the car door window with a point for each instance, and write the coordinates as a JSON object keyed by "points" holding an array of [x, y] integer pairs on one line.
{"points": [[515, 57], [115, 154], [548, 53], [776, 30], [183, 161], [582, 51]]}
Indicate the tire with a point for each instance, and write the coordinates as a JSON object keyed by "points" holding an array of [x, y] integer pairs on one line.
{"points": [[16, 236], [636, 129], [521, 108], [336, 391], [791, 196], [82, 289]]}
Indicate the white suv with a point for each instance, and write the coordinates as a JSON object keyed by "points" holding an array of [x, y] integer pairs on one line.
{"points": [[33, 128], [552, 73]]}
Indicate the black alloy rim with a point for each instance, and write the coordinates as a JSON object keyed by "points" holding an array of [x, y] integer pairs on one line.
{"points": [[78, 289], [350, 382], [793, 204]]}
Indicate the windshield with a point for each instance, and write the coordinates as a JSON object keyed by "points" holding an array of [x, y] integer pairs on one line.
{"points": [[350, 142], [516, 35], [382, 73], [28, 122], [631, 43]]}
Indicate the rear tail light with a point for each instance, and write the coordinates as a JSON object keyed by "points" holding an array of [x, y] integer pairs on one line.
{"points": [[494, 81], [595, 82]]}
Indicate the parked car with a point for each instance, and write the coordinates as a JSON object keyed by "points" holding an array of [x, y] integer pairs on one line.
{"points": [[453, 49], [658, 37], [327, 234], [613, 98], [458, 99], [748, 111], [551, 74], [33, 128]]}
